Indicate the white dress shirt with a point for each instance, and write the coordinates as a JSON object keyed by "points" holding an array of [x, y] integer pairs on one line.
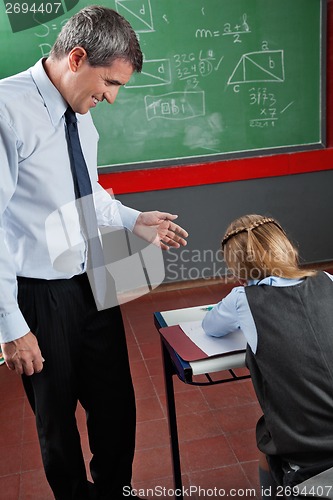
{"points": [[40, 234]]}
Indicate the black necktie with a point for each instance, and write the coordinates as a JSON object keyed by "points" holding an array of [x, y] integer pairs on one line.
{"points": [[96, 270]]}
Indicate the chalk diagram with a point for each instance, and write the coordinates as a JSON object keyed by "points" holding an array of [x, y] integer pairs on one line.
{"points": [[138, 13], [264, 66], [156, 72], [175, 105]]}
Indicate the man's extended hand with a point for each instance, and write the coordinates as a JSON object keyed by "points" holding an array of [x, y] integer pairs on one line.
{"points": [[23, 355], [159, 228]]}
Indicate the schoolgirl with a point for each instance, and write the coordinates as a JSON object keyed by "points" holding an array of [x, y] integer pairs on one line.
{"points": [[286, 315]]}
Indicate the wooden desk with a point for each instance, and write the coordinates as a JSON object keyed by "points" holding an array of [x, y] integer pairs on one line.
{"points": [[173, 364]]}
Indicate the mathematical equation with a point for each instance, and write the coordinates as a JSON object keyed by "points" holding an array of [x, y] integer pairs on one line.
{"points": [[234, 30], [267, 107]]}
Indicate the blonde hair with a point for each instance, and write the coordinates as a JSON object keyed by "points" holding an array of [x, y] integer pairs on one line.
{"points": [[255, 246]]}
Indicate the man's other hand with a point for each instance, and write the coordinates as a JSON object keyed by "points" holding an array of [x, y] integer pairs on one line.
{"points": [[23, 355]]}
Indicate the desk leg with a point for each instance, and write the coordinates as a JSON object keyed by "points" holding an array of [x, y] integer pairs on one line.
{"points": [[170, 395]]}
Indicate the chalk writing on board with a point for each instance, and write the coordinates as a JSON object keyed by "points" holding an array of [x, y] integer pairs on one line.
{"points": [[267, 107], [138, 13], [286, 107], [154, 73], [261, 97], [187, 67], [212, 78], [228, 30], [262, 66], [175, 105], [48, 30], [237, 30], [193, 65]]}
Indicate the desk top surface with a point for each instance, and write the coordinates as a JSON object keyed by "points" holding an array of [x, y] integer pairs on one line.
{"points": [[209, 365], [176, 316]]}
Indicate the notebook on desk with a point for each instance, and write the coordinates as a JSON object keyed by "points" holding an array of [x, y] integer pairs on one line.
{"points": [[191, 343]]}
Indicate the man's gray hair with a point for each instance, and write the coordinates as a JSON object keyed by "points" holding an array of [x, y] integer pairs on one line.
{"points": [[103, 33]]}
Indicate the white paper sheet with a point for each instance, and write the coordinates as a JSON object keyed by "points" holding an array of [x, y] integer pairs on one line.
{"points": [[213, 346]]}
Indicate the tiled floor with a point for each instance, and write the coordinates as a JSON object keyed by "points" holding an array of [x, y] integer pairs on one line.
{"points": [[216, 424]]}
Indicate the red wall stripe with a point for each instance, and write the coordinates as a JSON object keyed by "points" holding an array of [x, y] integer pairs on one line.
{"points": [[212, 173]]}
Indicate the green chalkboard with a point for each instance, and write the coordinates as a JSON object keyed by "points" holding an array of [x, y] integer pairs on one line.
{"points": [[221, 78]]}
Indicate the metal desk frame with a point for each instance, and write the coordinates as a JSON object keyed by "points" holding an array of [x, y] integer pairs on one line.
{"points": [[173, 364]]}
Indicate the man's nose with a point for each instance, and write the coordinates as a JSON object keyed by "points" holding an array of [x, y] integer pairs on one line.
{"points": [[111, 95]]}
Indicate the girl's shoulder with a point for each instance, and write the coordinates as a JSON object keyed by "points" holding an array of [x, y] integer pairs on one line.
{"points": [[236, 292], [235, 297]]}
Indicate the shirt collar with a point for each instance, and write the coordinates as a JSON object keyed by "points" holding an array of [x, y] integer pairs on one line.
{"points": [[275, 281], [53, 100]]}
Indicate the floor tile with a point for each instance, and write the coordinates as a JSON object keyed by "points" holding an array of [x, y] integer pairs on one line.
{"points": [[228, 482], [144, 388], [139, 369], [190, 401], [151, 350], [10, 381], [10, 460], [244, 445], [226, 395], [34, 486], [31, 456], [151, 464], [81, 419], [149, 409], [134, 353], [162, 487], [10, 487], [152, 434], [159, 384], [11, 432], [251, 471], [29, 431], [233, 418], [197, 425], [12, 409], [154, 366], [207, 453]]}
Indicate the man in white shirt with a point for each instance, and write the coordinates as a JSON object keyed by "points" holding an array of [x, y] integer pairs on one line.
{"points": [[47, 311]]}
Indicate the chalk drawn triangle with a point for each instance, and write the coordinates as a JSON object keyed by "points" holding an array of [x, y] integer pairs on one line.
{"points": [[154, 73], [266, 66], [138, 13]]}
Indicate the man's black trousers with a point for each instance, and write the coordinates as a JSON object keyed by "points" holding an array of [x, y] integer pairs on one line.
{"points": [[86, 360]]}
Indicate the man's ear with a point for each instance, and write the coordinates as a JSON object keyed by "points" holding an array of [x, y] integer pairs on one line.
{"points": [[76, 58]]}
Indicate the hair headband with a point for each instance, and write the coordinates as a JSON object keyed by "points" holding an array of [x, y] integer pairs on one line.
{"points": [[260, 222]]}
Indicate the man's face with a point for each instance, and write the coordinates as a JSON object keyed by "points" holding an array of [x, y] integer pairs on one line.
{"points": [[90, 85]]}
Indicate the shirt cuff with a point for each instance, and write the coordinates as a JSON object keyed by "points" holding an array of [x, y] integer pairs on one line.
{"points": [[128, 216], [12, 326]]}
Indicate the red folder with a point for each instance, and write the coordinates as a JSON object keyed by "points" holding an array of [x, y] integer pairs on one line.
{"points": [[182, 344]]}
